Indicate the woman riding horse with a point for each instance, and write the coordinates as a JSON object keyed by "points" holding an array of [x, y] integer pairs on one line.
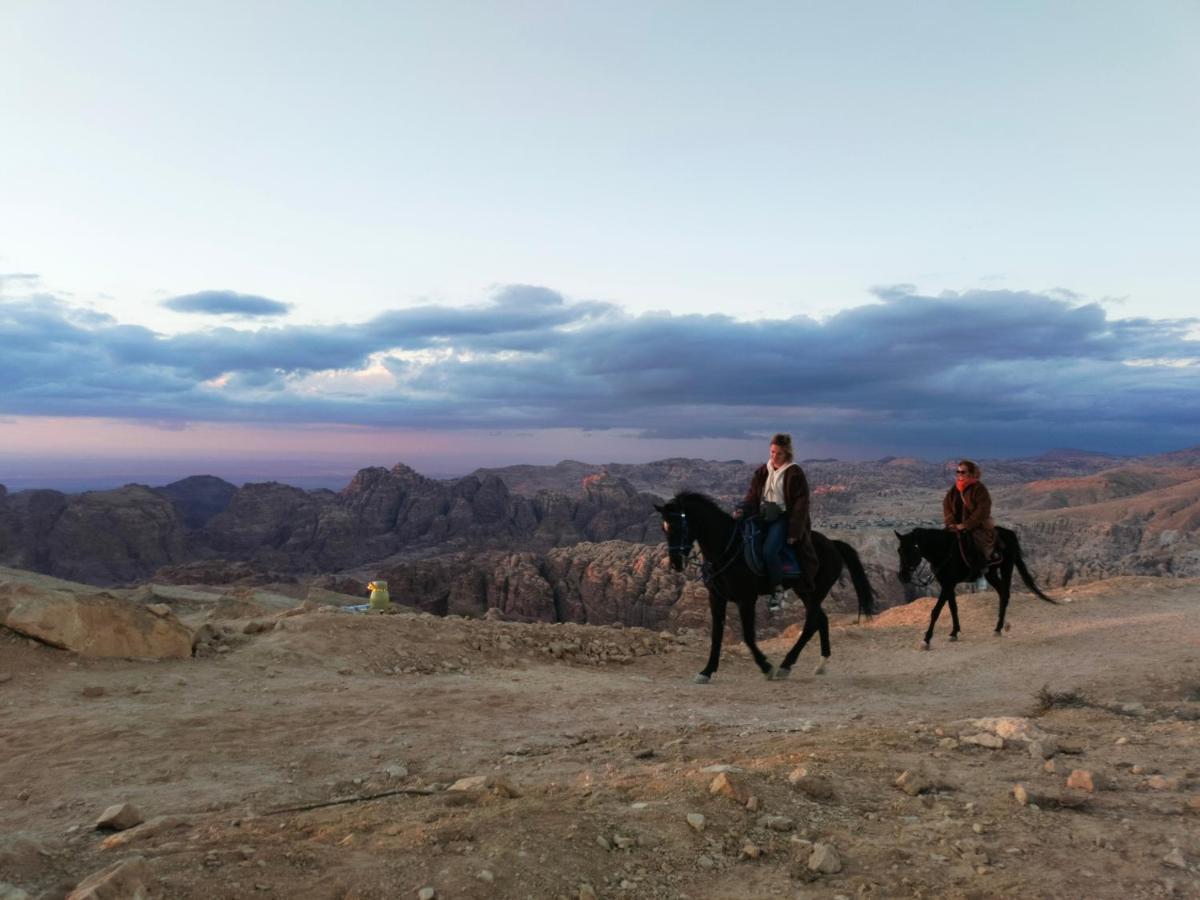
{"points": [[967, 509], [779, 494]]}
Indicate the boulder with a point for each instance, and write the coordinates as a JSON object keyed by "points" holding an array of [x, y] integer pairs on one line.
{"points": [[92, 624]]}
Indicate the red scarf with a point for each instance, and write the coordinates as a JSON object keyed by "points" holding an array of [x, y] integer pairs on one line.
{"points": [[963, 482]]}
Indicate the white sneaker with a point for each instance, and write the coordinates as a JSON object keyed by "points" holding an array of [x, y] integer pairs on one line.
{"points": [[775, 600]]}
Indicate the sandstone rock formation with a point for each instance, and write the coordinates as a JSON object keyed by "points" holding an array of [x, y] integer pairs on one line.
{"points": [[88, 623]]}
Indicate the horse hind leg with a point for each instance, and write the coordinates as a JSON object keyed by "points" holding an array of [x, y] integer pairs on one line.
{"points": [[957, 629], [1002, 582]]}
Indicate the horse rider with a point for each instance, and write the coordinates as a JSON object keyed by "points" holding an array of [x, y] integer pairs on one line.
{"points": [[779, 493], [967, 509]]}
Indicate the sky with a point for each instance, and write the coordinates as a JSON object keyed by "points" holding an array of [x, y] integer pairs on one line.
{"points": [[291, 240]]}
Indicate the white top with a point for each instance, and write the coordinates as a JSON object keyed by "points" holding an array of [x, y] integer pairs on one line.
{"points": [[773, 489]]}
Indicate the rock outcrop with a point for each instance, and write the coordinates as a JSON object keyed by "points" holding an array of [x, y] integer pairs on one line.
{"points": [[91, 624]]}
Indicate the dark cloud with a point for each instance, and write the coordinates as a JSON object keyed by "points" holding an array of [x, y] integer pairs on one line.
{"points": [[226, 303], [1002, 371]]}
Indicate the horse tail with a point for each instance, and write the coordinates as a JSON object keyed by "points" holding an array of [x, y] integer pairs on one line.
{"points": [[858, 575], [1025, 576]]}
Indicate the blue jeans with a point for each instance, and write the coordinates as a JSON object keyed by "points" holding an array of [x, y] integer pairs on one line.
{"points": [[773, 541]]}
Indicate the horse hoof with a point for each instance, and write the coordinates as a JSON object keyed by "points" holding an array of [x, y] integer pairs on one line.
{"points": [[954, 637], [782, 673], [769, 673], [701, 679], [820, 669], [924, 645]]}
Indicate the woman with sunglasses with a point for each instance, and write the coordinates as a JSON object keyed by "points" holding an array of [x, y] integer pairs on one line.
{"points": [[967, 509]]}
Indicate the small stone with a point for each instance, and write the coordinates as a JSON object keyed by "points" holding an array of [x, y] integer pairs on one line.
{"points": [[1050, 766], [1043, 749], [486, 875], [1082, 780], [1021, 793], [396, 772], [1162, 783], [587, 892], [426, 893], [696, 820], [977, 828], [814, 787], [159, 609], [824, 858], [1175, 859], [727, 785], [984, 739], [752, 804], [119, 817], [777, 823], [913, 783], [624, 842], [603, 842], [127, 878], [750, 850], [1121, 741]]}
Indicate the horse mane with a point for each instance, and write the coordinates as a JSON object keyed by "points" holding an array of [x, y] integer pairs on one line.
{"points": [[702, 499]]}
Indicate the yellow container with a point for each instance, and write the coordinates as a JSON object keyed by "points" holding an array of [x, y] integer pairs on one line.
{"points": [[379, 596]]}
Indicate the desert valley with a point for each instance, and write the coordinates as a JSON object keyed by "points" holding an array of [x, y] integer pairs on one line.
{"points": [[192, 707]]}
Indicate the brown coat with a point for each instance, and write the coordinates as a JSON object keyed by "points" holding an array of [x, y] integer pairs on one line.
{"points": [[972, 508], [796, 498]]}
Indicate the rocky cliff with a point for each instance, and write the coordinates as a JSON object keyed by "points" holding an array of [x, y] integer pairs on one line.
{"points": [[108, 537]]}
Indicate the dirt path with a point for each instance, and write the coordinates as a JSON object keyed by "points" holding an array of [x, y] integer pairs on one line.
{"points": [[594, 745]]}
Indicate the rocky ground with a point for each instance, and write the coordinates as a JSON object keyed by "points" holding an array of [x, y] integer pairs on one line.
{"points": [[320, 753]]}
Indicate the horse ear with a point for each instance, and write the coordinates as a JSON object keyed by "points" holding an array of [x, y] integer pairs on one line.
{"points": [[897, 534], [659, 508]]}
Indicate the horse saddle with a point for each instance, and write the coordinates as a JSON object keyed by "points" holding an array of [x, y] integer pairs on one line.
{"points": [[753, 536]]}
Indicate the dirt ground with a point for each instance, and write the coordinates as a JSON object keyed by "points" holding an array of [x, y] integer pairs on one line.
{"points": [[316, 759]]}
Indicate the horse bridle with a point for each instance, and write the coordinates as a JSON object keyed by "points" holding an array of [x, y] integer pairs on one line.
{"points": [[913, 578], [686, 543]]}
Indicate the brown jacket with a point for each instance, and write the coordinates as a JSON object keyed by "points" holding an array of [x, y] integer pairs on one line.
{"points": [[972, 508], [795, 494]]}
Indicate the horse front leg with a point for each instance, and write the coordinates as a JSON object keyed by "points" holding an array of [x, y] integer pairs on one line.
{"points": [[945, 596], [746, 610], [954, 617], [716, 608]]}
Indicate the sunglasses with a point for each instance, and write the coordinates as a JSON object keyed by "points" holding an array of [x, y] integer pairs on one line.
{"points": [[961, 472]]}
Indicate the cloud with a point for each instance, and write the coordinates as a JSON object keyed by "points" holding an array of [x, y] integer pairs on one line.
{"points": [[1003, 371], [226, 303]]}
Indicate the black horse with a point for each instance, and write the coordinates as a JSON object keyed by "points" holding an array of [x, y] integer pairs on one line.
{"points": [[948, 553], [694, 518]]}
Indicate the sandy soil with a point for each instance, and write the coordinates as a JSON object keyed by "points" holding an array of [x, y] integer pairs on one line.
{"points": [[594, 745]]}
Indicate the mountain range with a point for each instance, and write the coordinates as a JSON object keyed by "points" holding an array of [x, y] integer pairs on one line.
{"points": [[560, 542]]}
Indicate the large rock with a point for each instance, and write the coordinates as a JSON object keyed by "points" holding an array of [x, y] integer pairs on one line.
{"points": [[91, 624]]}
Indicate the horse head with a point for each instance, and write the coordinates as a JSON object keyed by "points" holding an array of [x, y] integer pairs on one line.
{"points": [[679, 535], [911, 556]]}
